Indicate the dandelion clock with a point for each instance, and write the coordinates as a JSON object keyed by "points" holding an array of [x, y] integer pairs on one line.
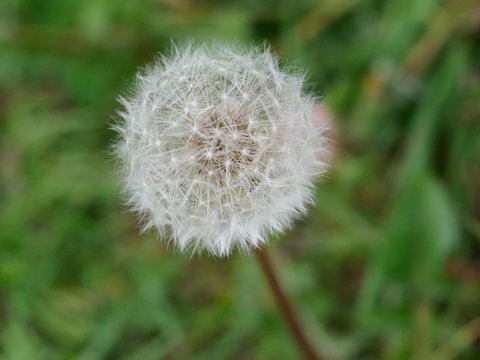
{"points": [[219, 147]]}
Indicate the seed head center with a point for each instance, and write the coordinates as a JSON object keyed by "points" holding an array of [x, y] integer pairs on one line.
{"points": [[223, 146]]}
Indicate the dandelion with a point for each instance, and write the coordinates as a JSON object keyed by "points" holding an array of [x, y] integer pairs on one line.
{"points": [[218, 147]]}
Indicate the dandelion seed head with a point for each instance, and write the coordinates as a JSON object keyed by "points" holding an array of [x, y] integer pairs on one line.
{"points": [[236, 147]]}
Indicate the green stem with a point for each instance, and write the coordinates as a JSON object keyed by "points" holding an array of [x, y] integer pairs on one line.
{"points": [[285, 308]]}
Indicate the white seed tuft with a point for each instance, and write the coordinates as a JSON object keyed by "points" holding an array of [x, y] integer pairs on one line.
{"points": [[236, 147]]}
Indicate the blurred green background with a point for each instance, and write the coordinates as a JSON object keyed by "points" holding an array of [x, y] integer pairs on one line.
{"points": [[386, 266]]}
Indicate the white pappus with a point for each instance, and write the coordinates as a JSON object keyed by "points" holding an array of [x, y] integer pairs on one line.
{"points": [[218, 147]]}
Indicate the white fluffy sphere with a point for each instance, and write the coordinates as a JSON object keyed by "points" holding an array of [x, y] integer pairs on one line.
{"points": [[218, 147]]}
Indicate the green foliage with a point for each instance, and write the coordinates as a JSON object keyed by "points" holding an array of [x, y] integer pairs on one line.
{"points": [[386, 265]]}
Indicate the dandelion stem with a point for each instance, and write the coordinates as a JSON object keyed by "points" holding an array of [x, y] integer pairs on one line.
{"points": [[285, 308]]}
